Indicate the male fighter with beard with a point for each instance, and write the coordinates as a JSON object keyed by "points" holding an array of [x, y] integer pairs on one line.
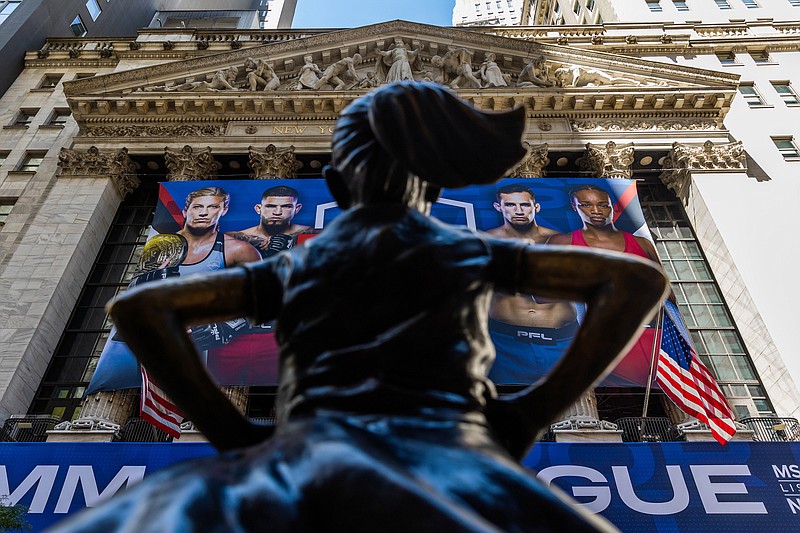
{"points": [[275, 231], [529, 335]]}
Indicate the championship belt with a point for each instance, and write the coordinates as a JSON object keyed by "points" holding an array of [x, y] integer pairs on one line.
{"points": [[161, 257]]}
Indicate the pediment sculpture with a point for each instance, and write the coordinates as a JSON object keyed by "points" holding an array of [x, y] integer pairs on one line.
{"points": [[453, 66]]}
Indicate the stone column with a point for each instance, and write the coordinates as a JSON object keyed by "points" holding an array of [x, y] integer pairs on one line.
{"points": [[609, 161], [102, 413], [534, 164], [273, 163], [188, 164]]}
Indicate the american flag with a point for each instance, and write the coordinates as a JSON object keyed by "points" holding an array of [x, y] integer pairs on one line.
{"points": [[686, 380], [156, 408]]}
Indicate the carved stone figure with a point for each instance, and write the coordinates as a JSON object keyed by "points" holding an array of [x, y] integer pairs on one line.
{"points": [[344, 67], [575, 76], [308, 77], [222, 80], [369, 81], [261, 74], [535, 74], [273, 163], [456, 68], [386, 420], [491, 74], [188, 164], [395, 64]]}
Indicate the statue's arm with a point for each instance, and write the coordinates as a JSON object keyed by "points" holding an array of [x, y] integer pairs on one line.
{"points": [[153, 320], [621, 292]]}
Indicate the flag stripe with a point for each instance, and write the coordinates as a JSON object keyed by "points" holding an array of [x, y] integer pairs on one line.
{"points": [[686, 381], [156, 408]]}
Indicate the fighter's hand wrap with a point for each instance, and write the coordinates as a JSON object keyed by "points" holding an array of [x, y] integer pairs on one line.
{"points": [[217, 334], [278, 243]]}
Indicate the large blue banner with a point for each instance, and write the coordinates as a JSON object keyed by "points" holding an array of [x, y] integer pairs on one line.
{"points": [[668, 487], [201, 226]]}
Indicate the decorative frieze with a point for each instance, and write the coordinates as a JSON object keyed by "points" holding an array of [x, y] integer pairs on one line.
{"points": [[684, 159], [534, 163], [644, 125], [115, 164], [160, 130], [273, 163], [189, 164], [609, 161]]}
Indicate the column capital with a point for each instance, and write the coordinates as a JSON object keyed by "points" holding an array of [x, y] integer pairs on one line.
{"points": [[115, 164], [534, 163], [609, 161], [189, 164], [273, 163], [683, 159]]}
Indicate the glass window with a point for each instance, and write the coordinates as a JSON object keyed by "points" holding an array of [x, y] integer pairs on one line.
{"points": [[760, 56], [94, 9], [681, 5], [794, 3], [59, 117], [25, 117], [786, 92], [750, 4], [31, 162], [654, 5], [727, 58], [50, 81], [723, 4], [576, 7], [787, 147], [6, 9], [78, 28], [590, 4], [750, 94], [5, 209]]}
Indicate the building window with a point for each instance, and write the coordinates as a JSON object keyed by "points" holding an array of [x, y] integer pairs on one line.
{"points": [[787, 147], [576, 7], [78, 28], [723, 4], [6, 9], [750, 94], [24, 117], [5, 209], [786, 92], [31, 162], [760, 57], [794, 3], [681, 5], [727, 58], [654, 5], [3, 157], [94, 9], [750, 4], [715, 337], [50, 81], [58, 117], [590, 4]]}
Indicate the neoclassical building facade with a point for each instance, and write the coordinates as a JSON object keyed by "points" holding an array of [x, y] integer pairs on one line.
{"points": [[82, 158]]}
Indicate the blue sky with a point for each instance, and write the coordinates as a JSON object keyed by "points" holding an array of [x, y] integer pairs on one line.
{"points": [[352, 13]]}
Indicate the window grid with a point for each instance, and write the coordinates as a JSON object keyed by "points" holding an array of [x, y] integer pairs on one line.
{"points": [[77, 27], [6, 8], [654, 5], [727, 58], [787, 147], [25, 117], [750, 4], [50, 81], [722, 4], [88, 327], [59, 117], [751, 95], [794, 3], [786, 92], [94, 9], [5, 210], [760, 57], [31, 162], [707, 317], [681, 5]]}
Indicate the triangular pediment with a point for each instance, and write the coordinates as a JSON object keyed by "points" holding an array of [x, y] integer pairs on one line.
{"points": [[322, 73]]}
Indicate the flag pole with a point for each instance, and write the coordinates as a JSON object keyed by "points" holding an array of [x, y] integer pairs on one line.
{"points": [[653, 359]]}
